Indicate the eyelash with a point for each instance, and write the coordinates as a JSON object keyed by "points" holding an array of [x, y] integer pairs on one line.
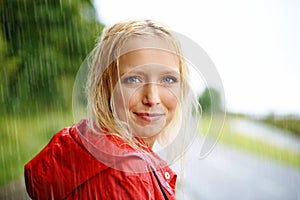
{"points": [[172, 78], [137, 79], [128, 80]]}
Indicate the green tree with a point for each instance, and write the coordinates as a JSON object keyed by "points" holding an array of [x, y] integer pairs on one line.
{"points": [[48, 41], [11, 64], [210, 101]]}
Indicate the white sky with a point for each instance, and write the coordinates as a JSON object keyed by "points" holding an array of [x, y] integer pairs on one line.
{"points": [[254, 44]]}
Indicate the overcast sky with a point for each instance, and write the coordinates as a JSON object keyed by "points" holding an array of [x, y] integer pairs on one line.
{"points": [[254, 44]]}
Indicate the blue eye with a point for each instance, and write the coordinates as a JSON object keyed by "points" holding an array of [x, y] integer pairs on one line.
{"points": [[131, 80], [169, 79]]}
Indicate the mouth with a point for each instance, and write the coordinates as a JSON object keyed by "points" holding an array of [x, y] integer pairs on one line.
{"points": [[149, 117]]}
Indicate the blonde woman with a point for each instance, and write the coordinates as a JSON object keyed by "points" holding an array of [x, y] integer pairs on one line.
{"points": [[137, 94]]}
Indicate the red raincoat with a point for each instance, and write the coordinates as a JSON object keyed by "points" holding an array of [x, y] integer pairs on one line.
{"points": [[73, 166]]}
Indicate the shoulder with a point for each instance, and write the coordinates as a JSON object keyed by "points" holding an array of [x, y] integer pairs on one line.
{"points": [[60, 167]]}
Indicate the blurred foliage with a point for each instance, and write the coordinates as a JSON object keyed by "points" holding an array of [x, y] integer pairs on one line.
{"points": [[42, 43], [21, 138], [8, 65], [290, 123], [210, 101]]}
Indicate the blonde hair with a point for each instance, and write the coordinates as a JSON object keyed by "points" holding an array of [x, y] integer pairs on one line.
{"points": [[104, 74]]}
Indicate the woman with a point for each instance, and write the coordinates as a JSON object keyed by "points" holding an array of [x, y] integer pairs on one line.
{"points": [[136, 94]]}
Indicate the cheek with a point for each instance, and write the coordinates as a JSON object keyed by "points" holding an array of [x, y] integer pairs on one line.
{"points": [[170, 101], [134, 100], [124, 101], [119, 104], [170, 96]]}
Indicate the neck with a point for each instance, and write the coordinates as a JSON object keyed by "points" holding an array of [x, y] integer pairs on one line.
{"points": [[150, 141]]}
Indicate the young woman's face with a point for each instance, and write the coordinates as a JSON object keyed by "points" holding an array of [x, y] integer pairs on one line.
{"points": [[147, 92]]}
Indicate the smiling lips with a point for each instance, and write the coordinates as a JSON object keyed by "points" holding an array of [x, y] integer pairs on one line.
{"points": [[149, 116]]}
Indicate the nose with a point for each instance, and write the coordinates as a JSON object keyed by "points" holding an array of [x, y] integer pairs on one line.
{"points": [[151, 95]]}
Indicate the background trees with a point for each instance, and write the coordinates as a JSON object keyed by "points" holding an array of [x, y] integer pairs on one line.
{"points": [[210, 101], [42, 44]]}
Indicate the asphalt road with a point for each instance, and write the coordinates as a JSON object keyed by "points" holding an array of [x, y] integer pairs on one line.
{"points": [[231, 174]]}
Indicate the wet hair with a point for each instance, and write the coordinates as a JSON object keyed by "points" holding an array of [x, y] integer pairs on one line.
{"points": [[104, 74]]}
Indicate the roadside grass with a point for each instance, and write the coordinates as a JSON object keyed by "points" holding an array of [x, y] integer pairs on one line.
{"points": [[289, 123], [255, 146], [21, 138]]}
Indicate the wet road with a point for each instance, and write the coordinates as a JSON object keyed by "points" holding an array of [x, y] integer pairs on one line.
{"points": [[230, 174]]}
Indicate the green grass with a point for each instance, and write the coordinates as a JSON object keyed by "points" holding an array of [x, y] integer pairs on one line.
{"points": [[290, 123], [255, 146], [21, 138]]}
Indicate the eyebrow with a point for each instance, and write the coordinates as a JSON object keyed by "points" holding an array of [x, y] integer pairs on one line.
{"points": [[164, 70]]}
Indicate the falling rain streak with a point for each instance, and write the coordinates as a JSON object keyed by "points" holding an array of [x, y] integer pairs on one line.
{"points": [[42, 44]]}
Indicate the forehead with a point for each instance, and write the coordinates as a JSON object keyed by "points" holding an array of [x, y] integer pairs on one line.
{"points": [[151, 42], [154, 50], [146, 57]]}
